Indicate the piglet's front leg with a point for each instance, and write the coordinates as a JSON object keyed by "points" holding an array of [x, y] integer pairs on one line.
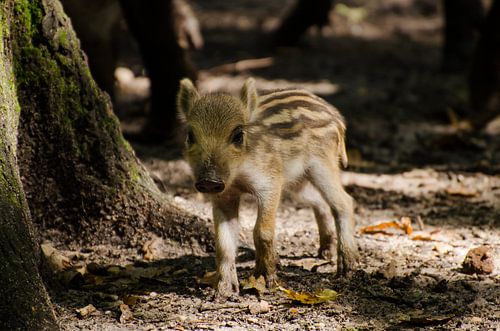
{"points": [[263, 236], [225, 213]]}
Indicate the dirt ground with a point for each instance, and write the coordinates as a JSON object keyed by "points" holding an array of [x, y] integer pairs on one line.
{"points": [[380, 65]]}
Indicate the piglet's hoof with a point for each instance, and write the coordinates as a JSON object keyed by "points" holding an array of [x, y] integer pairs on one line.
{"points": [[327, 253], [346, 263], [225, 290], [271, 279]]}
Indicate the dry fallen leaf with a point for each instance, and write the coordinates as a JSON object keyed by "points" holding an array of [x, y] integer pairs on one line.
{"points": [[404, 224], [130, 300], [422, 320], [309, 264], [57, 262], [86, 311], [317, 297], [258, 284], [422, 237], [462, 191], [209, 278], [379, 228], [153, 249], [259, 307], [126, 314]]}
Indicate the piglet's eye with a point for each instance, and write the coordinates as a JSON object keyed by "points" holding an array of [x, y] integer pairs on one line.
{"points": [[190, 137], [237, 137]]}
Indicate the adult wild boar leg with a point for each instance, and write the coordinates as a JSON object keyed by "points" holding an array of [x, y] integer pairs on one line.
{"points": [[310, 196], [225, 213], [325, 176], [263, 234], [152, 24], [484, 79]]}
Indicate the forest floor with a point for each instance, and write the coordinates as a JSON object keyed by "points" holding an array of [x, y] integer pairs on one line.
{"points": [[380, 65]]}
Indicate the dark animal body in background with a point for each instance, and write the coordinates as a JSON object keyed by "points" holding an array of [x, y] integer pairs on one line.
{"points": [[155, 26]]}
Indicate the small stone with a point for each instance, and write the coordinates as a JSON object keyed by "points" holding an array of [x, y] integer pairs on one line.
{"points": [[259, 307], [479, 260]]}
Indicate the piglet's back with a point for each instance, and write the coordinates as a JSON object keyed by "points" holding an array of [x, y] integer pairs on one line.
{"points": [[299, 118]]}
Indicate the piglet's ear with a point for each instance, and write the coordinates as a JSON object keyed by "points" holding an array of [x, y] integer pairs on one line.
{"points": [[248, 95], [186, 97]]}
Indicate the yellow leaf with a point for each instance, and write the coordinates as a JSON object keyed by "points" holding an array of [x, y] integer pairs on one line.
{"points": [[310, 298]]}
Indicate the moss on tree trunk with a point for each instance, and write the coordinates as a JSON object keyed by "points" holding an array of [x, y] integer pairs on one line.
{"points": [[25, 304]]}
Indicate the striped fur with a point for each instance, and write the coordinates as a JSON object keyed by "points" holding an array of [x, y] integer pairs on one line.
{"points": [[291, 113], [263, 144]]}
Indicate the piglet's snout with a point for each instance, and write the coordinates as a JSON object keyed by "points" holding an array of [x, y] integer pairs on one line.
{"points": [[209, 182], [205, 185]]}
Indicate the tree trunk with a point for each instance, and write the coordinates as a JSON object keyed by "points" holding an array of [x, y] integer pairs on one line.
{"points": [[25, 304], [81, 178]]}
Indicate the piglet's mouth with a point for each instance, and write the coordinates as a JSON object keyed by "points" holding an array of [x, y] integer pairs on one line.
{"points": [[205, 185]]}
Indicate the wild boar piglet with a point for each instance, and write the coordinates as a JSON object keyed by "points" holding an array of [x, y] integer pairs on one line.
{"points": [[263, 144]]}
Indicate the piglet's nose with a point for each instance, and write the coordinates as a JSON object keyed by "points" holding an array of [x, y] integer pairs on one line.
{"points": [[209, 186]]}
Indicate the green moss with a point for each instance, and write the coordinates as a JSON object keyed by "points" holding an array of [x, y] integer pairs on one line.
{"points": [[9, 189], [134, 174], [62, 39], [127, 146], [29, 15]]}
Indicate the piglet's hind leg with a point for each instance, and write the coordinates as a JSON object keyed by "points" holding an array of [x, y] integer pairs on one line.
{"points": [[325, 176]]}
